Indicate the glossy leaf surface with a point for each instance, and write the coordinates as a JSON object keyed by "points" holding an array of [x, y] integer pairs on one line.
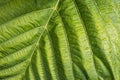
{"points": [[59, 40]]}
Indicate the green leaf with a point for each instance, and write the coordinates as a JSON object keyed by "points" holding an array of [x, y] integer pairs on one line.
{"points": [[59, 40]]}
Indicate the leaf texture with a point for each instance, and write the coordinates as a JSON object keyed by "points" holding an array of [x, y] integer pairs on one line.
{"points": [[59, 40]]}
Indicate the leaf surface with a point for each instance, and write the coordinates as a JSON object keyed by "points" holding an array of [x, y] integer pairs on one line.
{"points": [[59, 40]]}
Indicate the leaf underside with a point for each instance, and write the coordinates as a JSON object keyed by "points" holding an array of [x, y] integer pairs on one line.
{"points": [[59, 40]]}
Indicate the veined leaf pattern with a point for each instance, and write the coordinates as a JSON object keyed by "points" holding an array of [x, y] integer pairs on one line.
{"points": [[59, 40]]}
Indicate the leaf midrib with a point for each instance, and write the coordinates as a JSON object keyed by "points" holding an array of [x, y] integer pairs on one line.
{"points": [[45, 28]]}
